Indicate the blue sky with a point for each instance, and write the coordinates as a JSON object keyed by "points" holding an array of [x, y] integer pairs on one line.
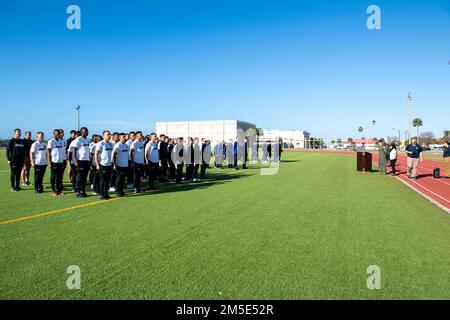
{"points": [[309, 65]]}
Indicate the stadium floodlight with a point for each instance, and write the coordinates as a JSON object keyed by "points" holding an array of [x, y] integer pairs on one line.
{"points": [[409, 116], [78, 112], [399, 134]]}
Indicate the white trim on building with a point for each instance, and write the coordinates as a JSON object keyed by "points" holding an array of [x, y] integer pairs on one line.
{"points": [[298, 139], [213, 130]]}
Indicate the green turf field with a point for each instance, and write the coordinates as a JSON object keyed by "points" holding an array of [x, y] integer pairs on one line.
{"points": [[309, 232]]}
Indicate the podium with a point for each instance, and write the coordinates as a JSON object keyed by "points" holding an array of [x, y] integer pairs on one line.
{"points": [[364, 161]]}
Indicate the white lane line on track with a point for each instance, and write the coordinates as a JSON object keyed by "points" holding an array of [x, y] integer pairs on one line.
{"points": [[440, 205]]}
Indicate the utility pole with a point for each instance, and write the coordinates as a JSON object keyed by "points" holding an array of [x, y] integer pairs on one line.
{"points": [[409, 116], [399, 134], [78, 111]]}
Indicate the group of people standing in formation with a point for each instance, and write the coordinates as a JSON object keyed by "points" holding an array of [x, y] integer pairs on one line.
{"points": [[112, 162], [387, 153]]}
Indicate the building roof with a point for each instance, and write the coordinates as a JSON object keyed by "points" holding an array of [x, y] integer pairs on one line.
{"points": [[360, 141]]}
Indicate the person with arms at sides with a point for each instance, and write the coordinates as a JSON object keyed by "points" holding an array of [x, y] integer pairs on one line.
{"points": [[446, 155], [414, 152], [73, 136], [382, 157], [152, 157], [73, 169], [114, 141], [280, 149], [229, 153], [235, 154], [120, 159], [39, 161], [56, 153], [130, 178], [206, 157], [15, 153], [218, 155], [94, 173], [92, 146], [145, 173], [172, 168], [82, 161], [263, 146], [197, 149], [27, 164], [137, 151], [244, 156], [164, 158], [64, 142], [188, 157], [393, 158], [103, 160], [177, 158]]}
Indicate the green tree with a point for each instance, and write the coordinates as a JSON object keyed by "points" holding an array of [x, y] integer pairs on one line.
{"points": [[360, 129], [417, 123], [446, 133]]}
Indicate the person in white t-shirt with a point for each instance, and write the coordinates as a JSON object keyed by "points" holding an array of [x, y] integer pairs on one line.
{"points": [[73, 169], [120, 159], [103, 159], [152, 158], [64, 143], [114, 140], [137, 156], [56, 156], [38, 158], [130, 178], [82, 161], [393, 158]]}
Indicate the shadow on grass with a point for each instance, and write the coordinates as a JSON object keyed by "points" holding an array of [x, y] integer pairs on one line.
{"points": [[210, 180]]}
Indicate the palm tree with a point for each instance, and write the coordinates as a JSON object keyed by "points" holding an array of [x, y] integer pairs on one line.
{"points": [[446, 133], [360, 129], [417, 123]]}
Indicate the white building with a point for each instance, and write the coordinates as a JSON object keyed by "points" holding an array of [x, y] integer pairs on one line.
{"points": [[297, 139], [214, 130]]}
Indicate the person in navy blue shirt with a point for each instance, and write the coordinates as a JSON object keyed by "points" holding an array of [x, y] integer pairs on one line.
{"points": [[414, 152], [447, 159]]}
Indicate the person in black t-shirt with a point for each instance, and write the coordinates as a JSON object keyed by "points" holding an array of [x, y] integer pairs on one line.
{"points": [[15, 153], [27, 164]]}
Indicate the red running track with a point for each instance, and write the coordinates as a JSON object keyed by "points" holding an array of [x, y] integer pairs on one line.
{"points": [[436, 190]]}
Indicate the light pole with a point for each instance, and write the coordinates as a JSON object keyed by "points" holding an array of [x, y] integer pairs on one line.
{"points": [[409, 116], [78, 111], [399, 134]]}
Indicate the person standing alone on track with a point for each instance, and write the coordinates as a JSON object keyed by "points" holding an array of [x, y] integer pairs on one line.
{"points": [[447, 159], [414, 152], [15, 153]]}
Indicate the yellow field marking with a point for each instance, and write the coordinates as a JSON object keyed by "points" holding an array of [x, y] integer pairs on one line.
{"points": [[57, 211], [70, 209]]}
